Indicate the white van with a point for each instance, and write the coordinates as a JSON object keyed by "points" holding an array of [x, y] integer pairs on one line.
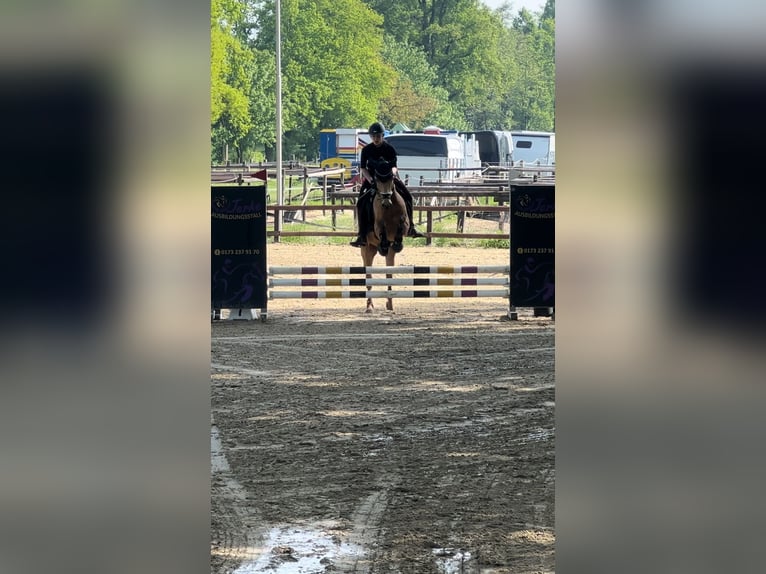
{"points": [[534, 148], [444, 156]]}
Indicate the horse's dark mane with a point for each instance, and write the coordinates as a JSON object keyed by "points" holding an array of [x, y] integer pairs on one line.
{"points": [[383, 171]]}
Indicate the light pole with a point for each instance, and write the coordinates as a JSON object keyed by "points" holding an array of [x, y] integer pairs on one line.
{"points": [[280, 189]]}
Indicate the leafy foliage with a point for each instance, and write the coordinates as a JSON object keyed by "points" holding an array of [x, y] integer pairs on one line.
{"points": [[345, 63], [230, 82], [534, 93]]}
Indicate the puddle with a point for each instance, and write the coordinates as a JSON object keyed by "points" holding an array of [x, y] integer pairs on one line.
{"points": [[450, 560], [298, 549], [292, 550]]}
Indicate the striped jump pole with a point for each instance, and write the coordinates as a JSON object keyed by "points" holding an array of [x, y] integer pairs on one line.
{"points": [[410, 269], [386, 294], [372, 282], [502, 280]]}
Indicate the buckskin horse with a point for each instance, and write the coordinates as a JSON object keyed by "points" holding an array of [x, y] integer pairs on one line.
{"points": [[391, 225]]}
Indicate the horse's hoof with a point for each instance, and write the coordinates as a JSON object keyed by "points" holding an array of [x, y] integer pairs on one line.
{"points": [[383, 251], [368, 310], [390, 306], [397, 246]]}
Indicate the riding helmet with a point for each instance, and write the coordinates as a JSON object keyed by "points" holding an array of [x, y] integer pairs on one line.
{"points": [[376, 128]]}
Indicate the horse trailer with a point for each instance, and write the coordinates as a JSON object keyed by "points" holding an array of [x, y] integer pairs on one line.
{"points": [[534, 148], [495, 146], [432, 157], [342, 148]]}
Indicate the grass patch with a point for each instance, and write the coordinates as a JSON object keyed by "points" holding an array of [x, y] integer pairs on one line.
{"points": [[315, 240], [495, 243]]}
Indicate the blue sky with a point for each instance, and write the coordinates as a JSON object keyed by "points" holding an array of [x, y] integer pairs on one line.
{"points": [[531, 5]]}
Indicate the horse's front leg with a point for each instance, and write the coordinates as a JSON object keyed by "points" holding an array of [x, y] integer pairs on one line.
{"points": [[383, 245], [390, 263], [398, 243], [370, 307], [368, 254]]}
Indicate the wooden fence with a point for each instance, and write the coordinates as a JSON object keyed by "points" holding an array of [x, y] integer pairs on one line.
{"points": [[431, 199], [425, 215]]}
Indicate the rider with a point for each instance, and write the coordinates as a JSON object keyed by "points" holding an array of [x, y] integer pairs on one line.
{"points": [[372, 153]]}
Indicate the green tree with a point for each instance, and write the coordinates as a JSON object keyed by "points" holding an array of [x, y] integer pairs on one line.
{"points": [[546, 50], [262, 108], [549, 11], [453, 63], [230, 82], [534, 92], [333, 74], [469, 47], [415, 95], [471, 52]]}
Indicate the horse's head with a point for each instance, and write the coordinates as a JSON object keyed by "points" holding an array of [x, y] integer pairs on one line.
{"points": [[384, 183]]}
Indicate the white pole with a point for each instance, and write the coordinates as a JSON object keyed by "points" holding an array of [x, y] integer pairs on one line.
{"points": [[280, 189]]}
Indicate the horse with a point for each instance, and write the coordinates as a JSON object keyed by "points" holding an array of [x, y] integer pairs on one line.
{"points": [[391, 225]]}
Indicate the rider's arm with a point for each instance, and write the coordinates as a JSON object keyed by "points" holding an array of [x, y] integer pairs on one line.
{"points": [[363, 161], [392, 160]]}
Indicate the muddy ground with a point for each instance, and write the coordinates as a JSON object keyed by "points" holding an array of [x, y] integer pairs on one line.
{"points": [[415, 441]]}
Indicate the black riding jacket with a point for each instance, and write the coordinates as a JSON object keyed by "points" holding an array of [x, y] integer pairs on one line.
{"points": [[371, 154]]}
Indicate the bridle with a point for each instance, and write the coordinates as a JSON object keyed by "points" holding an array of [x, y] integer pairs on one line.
{"points": [[385, 192], [384, 183]]}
